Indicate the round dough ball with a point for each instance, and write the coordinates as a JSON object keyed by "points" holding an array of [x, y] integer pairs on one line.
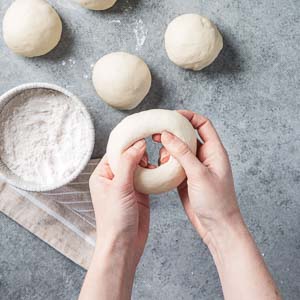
{"points": [[97, 4], [192, 41], [122, 80], [142, 125], [31, 27]]}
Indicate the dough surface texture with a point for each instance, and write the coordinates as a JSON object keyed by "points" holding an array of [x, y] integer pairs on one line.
{"points": [[97, 4], [142, 125], [31, 27], [122, 80], [193, 41]]}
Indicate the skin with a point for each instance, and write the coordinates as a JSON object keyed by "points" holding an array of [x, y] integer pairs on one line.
{"points": [[209, 200]]}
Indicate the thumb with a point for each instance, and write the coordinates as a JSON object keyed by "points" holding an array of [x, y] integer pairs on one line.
{"points": [[129, 162], [180, 150]]}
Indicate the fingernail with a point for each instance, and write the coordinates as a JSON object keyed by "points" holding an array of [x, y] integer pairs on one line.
{"points": [[164, 158], [139, 144], [144, 162], [151, 167]]}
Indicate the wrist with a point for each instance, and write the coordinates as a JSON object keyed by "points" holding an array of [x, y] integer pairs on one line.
{"points": [[226, 233], [113, 251], [114, 241], [116, 268]]}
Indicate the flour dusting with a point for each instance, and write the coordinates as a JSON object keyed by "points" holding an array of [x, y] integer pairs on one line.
{"points": [[140, 32], [115, 21], [42, 136]]}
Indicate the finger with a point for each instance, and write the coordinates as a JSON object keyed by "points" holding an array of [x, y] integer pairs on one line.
{"points": [[164, 156], [182, 153], [129, 162], [199, 145], [144, 218], [204, 126], [103, 169], [151, 166], [184, 197], [144, 161], [156, 137]]}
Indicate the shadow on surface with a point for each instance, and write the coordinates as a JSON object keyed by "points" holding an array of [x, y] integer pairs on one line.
{"points": [[120, 7], [100, 141], [228, 63], [151, 101], [123, 6], [153, 98], [229, 60]]}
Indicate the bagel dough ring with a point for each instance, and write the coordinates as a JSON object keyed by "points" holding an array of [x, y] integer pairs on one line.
{"points": [[31, 27], [142, 125], [97, 4]]}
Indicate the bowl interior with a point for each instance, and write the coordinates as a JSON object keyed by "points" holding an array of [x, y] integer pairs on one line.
{"points": [[12, 178]]}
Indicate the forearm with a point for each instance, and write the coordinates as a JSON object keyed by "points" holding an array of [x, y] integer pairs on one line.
{"points": [[241, 268], [110, 275]]}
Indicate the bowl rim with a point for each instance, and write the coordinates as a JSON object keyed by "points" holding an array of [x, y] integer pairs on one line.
{"points": [[8, 176]]}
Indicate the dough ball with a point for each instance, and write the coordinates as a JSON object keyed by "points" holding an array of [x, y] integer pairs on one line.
{"points": [[97, 4], [192, 41], [122, 80], [31, 27]]}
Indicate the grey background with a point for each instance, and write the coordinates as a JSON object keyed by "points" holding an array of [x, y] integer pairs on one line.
{"points": [[251, 93]]}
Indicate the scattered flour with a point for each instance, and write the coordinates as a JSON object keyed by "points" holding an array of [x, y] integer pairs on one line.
{"points": [[140, 32], [115, 21], [42, 136]]}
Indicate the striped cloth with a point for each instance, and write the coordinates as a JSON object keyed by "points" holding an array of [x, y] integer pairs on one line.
{"points": [[63, 218]]}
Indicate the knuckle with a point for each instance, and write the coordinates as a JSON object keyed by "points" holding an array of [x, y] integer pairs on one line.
{"points": [[182, 149], [222, 153], [130, 154], [199, 172], [208, 122]]}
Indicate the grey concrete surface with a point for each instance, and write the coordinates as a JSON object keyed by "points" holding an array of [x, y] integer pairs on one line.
{"points": [[252, 95]]}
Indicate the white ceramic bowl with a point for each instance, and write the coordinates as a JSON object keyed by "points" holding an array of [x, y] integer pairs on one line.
{"points": [[15, 180]]}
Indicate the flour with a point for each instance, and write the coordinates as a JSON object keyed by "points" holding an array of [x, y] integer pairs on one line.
{"points": [[140, 32], [42, 136]]}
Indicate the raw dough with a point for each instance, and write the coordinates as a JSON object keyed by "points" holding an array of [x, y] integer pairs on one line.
{"points": [[193, 41], [97, 4], [122, 80], [31, 27], [142, 125]]}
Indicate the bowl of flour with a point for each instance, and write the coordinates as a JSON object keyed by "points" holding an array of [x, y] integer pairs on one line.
{"points": [[46, 137]]}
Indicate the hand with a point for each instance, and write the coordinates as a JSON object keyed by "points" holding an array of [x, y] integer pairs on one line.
{"points": [[122, 214], [208, 194], [122, 219], [209, 200]]}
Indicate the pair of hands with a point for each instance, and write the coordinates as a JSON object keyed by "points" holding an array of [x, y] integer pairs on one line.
{"points": [[207, 195], [209, 200]]}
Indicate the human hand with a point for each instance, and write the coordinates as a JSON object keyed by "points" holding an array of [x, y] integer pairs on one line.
{"points": [[209, 199], [122, 219], [208, 194], [122, 214]]}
